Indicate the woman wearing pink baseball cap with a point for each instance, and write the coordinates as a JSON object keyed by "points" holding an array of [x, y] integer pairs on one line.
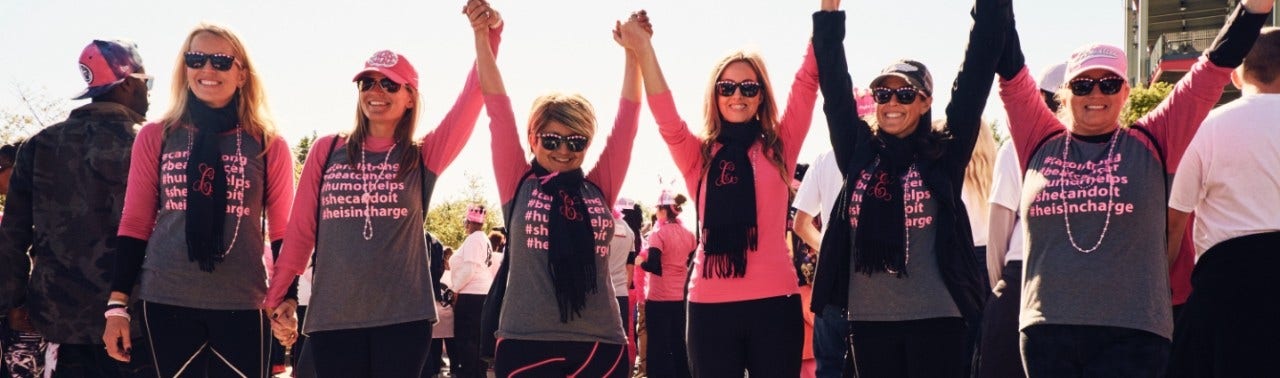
{"points": [[670, 245], [556, 310], [1095, 296], [899, 254], [204, 181], [362, 199]]}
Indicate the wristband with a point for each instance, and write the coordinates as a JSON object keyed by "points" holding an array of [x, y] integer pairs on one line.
{"points": [[117, 312]]}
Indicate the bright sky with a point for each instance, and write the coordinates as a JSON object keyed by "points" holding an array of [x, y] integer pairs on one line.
{"points": [[307, 52]]}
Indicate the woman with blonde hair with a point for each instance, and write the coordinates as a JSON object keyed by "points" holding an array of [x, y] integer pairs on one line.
{"points": [[977, 189], [559, 315], [362, 201], [744, 309], [204, 181]]}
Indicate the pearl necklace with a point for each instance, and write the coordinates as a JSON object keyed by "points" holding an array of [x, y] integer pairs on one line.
{"points": [[368, 198], [243, 177], [1111, 193]]}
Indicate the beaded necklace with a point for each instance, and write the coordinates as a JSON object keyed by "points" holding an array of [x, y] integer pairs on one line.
{"points": [[1111, 193], [368, 197]]}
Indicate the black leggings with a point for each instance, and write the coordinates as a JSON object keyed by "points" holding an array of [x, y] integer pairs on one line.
{"points": [[215, 343], [526, 358], [397, 350], [764, 337], [667, 355], [467, 337], [909, 349]]}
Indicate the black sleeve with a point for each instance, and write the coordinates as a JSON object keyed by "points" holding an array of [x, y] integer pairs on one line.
{"points": [[129, 254], [846, 129], [653, 264], [16, 231], [1011, 60], [631, 258], [1236, 38], [991, 21]]}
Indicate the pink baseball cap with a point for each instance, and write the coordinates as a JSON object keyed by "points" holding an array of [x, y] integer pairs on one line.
{"points": [[105, 64], [394, 65], [1096, 56], [475, 213]]}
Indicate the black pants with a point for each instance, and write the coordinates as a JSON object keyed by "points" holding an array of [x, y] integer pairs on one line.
{"points": [[397, 350], [1000, 356], [215, 343], [467, 337], [913, 348], [764, 337], [531, 359], [92, 361], [667, 355], [1054, 350], [435, 358], [1230, 325]]}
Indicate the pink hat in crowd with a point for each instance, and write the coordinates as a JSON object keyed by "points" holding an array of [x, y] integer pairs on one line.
{"points": [[1052, 78], [394, 65], [1097, 56], [105, 64], [866, 103], [475, 213]]}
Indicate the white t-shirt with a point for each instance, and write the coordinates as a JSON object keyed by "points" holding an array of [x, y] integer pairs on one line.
{"points": [[1230, 174], [470, 274], [623, 243], [1006, 192], [977, 219], [817, 193]]}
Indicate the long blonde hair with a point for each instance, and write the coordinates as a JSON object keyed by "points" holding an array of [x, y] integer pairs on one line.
{"points": [[978, 175], [253, 113], [767, 113]]}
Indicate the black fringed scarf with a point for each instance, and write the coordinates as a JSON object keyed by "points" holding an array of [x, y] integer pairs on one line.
{"points": [[729, 228], [571, 258], [880, 243], [207, 181]]}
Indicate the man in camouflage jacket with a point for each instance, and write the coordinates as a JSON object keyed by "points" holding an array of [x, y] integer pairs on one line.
{"points": [[62, 211]]}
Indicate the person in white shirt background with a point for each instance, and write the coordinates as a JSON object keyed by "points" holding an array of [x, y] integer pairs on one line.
{"points": [[471, 280]]}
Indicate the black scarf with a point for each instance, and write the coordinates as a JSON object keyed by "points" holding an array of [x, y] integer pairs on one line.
{"points": [[880, 242], [729, 228], [571, 258], [207, 181]]}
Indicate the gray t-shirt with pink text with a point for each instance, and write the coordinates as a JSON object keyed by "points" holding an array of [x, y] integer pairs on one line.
{"points": [[239, 282], [371, 263], [529, 310], [1095, 223]]}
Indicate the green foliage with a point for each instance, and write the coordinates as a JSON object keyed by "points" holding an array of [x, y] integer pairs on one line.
{"points": [[1143, 100], [300, 151], [445, 218]]}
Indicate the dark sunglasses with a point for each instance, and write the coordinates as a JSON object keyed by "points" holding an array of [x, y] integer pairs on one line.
{"points": [[906, 95], [1083, 86], [749, 88], [576, 143], [195, 60], [366, 83]]}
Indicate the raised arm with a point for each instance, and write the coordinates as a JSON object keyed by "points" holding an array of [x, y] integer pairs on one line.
{"points": [[848, 132], [611, 168], [1175, 121], [442, 145], [991, 20], [1030, 120], [686, 148], [508, 157]]}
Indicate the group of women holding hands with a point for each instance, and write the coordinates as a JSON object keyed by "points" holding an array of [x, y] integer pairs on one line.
{"points": [[212, 178]]}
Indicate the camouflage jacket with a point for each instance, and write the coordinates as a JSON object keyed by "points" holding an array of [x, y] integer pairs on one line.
{"points": [[61, 215]]}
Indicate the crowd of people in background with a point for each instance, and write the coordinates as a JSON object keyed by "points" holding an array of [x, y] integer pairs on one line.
{"points": [[917, 246]]}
